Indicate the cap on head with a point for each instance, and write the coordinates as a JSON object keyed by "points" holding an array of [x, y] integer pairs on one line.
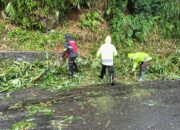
{"points": [[108, 39], [67, 36]]}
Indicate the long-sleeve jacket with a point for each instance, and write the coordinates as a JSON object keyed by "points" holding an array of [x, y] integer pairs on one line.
{"points": [[107, 51], [139, 57], [70, 48]]}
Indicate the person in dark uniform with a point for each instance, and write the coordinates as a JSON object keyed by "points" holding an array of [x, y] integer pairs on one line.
{"points": [[70, 52]]}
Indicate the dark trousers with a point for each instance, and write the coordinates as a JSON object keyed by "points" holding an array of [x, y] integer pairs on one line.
{"points": [[72, 65], [111, 72], [144, 65]]}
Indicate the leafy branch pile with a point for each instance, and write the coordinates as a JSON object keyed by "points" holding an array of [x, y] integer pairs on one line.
{"points": [[24, 74], [48, 74], [23, 125], [166, 67], [53, 74]]}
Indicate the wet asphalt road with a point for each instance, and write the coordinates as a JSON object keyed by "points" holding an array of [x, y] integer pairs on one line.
{"points": [[152, 105]]}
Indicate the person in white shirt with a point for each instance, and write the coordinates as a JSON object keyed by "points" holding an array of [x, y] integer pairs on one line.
{"points": [[107, 51]]}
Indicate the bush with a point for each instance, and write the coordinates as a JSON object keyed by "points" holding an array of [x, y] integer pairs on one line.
{"points": [[125, 28], [33, 14], [166, 11], [90, 20]]}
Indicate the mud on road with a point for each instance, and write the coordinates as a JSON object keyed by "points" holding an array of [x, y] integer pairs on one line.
{"points": [[153, 105]]}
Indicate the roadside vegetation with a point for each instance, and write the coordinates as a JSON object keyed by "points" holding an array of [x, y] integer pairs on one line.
{"points": [[135, 25]]}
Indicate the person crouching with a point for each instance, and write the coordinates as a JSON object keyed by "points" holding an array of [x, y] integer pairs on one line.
{"points": [[142, 59]]}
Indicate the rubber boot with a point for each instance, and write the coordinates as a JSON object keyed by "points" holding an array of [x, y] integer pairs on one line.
{"points": [[75, 68], [101, 76], [112, 79], [71, 71], [142, 76], [70, 75]]}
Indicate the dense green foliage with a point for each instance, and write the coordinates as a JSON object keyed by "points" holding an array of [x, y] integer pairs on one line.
{"points": [[168, 12], [126, 28], [138, 16], [35, 14], [90, 20]]}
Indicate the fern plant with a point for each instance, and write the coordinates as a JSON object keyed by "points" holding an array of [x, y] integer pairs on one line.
{"points": [[90, 20], [10, 10]]}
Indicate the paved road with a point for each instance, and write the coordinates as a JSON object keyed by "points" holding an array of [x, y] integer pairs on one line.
{"points": [[149, 106]]}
